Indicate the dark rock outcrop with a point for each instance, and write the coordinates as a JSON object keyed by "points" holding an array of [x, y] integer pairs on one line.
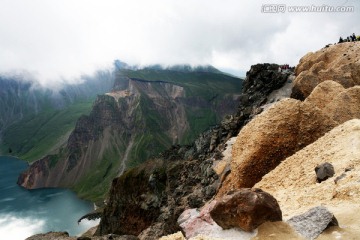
{"points": [[189, 179], [312, 223], [246, 209], [324, 171]]}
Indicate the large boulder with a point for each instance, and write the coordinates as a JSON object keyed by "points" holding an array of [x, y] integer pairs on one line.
{"points": [[246, 209], [195, 223], [312, 223], [339, 63], [287, 127], [293, 182]]}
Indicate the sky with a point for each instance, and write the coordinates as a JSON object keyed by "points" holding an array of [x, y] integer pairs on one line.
{"points": [[54, 40]]}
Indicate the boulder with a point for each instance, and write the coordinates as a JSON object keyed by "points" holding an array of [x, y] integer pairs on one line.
{"points": [[293, 182], [287, 127], [246, 209], [339, 63], [195, 223], [312, 223], [324, 171]]}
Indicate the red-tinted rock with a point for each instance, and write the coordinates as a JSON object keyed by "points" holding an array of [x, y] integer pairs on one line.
{"points": [[246, 209]]}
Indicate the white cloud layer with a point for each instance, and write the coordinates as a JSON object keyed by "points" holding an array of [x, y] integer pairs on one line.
{"points": [[62, 39]]}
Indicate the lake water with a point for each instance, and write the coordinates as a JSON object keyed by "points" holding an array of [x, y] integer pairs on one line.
{"points": [[27, 212]]}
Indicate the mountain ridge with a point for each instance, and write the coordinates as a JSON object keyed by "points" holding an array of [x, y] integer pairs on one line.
{"points": [[147, 109]]}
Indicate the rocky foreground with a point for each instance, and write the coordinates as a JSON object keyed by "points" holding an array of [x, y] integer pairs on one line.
{"points": [[278, 169]]}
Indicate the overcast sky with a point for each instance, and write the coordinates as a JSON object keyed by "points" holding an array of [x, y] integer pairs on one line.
{"points": [[55, 39]]}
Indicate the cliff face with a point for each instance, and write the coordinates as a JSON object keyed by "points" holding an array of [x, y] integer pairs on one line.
{"points": [[183, 176], [140, 117], [291, 124]]}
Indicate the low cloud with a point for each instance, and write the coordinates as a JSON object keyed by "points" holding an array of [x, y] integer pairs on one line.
{"points": [[57, 40]]}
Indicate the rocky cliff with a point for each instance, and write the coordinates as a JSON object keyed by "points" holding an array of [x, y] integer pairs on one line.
{"points": [[280, 150], [291, 124], [183, 176], [147, 111]]}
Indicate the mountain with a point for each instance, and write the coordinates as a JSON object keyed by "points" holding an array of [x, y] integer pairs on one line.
{"points": [[185, 176], [147, 111], [35, 121], [286, 130]]}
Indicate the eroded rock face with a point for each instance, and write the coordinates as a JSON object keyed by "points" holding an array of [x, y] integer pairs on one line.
{"points": [[190, 178], [134, 201], [312, 223], [287, 127], [246, 209], [299, 191], [339, 63], [139, 118]]}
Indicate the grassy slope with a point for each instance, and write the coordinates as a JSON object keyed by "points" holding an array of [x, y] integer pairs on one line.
{"points": [[195, 83], [36, 135], [206, 85]]}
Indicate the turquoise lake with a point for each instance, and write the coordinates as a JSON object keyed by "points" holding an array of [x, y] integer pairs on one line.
{"points": [[26, 212]]}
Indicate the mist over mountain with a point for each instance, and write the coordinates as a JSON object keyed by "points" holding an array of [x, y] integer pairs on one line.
{"points": [[30, 112], [146, 111]]}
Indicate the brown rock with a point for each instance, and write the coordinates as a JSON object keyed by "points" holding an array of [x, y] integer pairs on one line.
{"points": [[339, 63], [246, 209], [287, 127], [299, 191]]}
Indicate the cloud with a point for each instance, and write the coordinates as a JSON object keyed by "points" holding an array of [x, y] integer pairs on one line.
{"points": [[10, 225], [63, 39]]}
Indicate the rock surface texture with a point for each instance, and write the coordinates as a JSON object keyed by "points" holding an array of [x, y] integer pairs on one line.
{"points": [[340, 63], [287, 127], [246, 209], [299, 191], [195, 223], [189, 180], [324, 171], [312, 223]]}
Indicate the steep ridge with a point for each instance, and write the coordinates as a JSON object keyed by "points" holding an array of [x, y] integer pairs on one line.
{"points": [[182, 176], [289, 126], [147, 111]]}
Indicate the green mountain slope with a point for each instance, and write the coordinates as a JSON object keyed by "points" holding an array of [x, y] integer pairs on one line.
{"points": [[36, 121], [147, 111]]}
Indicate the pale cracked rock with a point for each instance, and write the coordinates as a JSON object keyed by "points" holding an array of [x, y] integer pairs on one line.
{"points": [[293, 183], [340, 63], [285, 128], [312, 223]]}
